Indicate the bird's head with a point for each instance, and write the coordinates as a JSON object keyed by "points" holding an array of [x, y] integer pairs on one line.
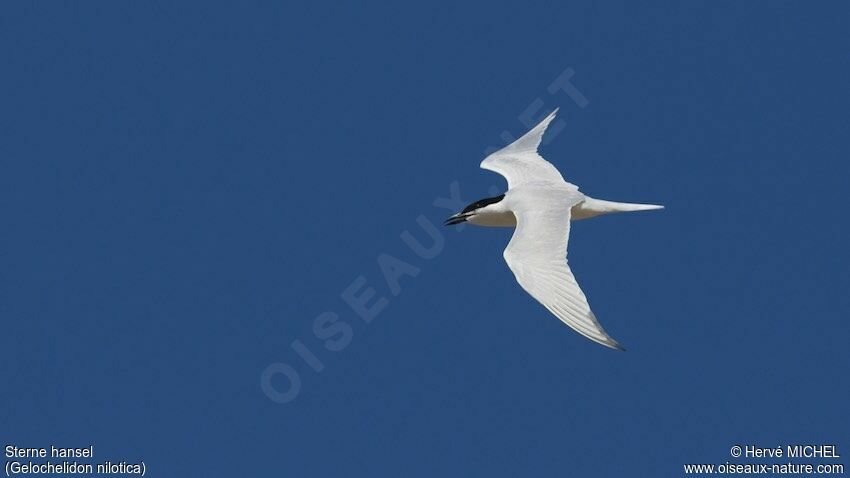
{"points": [[478, 207]]}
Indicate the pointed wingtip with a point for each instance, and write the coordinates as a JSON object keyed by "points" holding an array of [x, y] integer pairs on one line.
{"points": [[548, 119], [613, 344]]}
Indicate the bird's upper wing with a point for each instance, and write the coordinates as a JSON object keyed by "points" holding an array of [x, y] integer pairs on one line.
{"points": [[537, 255], [519, 162]]}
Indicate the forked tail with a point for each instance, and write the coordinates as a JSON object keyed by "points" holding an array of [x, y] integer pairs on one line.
{"points": [[591, 207]]}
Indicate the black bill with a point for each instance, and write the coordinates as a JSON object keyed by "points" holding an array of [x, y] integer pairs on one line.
{"points": [[456, 219]]}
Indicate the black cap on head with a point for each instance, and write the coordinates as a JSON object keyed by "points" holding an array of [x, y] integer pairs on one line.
{"points": [[481, 203]]}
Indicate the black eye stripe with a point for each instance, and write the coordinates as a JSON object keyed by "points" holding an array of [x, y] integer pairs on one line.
{"points": [[482, 202]]}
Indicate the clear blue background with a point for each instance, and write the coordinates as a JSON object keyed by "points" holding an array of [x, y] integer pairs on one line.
{"points": [[185, 187]]}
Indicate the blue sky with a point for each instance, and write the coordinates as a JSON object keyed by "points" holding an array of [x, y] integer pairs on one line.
{"points": [[187, 187]]}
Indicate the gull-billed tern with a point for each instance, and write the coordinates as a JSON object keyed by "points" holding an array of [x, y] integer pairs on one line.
{"points": [[540, 204]]}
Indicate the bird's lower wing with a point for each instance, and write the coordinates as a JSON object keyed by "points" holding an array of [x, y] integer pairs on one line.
{"points": [[537, 255]]}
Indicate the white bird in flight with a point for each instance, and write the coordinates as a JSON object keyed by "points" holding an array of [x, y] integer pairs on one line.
{"points": [[540, 204]]}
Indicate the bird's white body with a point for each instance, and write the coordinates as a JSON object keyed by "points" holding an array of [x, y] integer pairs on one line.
{"points": [[541, 205], [587, 208]]}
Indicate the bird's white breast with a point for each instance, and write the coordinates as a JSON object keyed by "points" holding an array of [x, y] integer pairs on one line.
{"points": [[494, 219]]}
